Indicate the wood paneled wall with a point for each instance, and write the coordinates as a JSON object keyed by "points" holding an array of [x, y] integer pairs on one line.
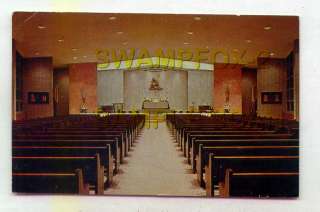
{"points": [[271, 77], [37, 77]]}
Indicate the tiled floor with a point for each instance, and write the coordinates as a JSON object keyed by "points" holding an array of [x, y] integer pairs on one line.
{"points": [[155, 167]]}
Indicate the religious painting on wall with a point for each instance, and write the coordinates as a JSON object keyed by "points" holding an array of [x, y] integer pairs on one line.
{"points": [[271, 97], [38, 98]]}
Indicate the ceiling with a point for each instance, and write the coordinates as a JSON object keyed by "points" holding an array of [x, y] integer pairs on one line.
{"points": [[76, 37]]}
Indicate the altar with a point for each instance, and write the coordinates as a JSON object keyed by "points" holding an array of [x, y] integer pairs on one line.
{"points": [[155, 105]]}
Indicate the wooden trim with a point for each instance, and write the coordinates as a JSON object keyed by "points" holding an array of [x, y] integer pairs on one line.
{"points": [[199, 168], [83, 188], [51, 157], [57, 147], [43, 174], [249, 147], [266, 174], [209, 183], [110, 167], [257, 157], [100, 176], [226, 190]]}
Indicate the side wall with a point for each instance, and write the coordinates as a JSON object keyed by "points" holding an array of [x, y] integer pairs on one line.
{"points": [[37, 77], [271, 77]]}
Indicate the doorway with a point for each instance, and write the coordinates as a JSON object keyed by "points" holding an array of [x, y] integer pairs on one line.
{"points": [[249, 91], [61, 91]]}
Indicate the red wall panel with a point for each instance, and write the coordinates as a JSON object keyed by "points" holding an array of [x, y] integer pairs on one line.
{"points": [[82, 78], [227, 75]]}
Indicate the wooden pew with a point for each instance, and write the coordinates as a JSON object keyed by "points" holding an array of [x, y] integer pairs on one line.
{"points": [[81, 134], [70, 151], [115, 137], [261, 184], [48, 183], [215, 172], [125, 135], [74, 143], [199, 129], [257, 140], [204, 152], [180, 130], [93, 173], [189, 131], [60, 137], [206, 134]]}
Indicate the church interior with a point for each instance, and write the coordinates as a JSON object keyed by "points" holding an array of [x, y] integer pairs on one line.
{"points": [[155, 104]]}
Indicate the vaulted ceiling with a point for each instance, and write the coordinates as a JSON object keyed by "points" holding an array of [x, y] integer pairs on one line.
{"points": [[76, 37]]}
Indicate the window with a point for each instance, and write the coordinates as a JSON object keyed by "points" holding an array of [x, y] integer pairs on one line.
{"points": [[290, 80], [19, 97]]}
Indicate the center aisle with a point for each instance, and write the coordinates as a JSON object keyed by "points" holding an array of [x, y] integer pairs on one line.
{"points": [[155, 167]]}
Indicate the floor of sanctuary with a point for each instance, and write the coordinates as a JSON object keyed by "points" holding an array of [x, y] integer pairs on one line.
{"points": [[155, 167]]}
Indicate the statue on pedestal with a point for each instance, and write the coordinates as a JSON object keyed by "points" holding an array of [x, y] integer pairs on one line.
{"points": [[226, 106], [83, 106]]}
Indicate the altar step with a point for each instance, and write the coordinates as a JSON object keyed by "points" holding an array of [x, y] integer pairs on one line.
{"points": [[153, 119]]}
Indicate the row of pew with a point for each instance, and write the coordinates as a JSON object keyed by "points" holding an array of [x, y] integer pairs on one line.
{"points": [[76, 154], [234, 157]]}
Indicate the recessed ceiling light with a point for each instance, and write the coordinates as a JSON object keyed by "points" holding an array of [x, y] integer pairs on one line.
{"points": [[60, 40], [124, 43], [112, 18], [248, 41], [74, 49], [267, 27], [186, 43], [190, 33], [197, 18], [41, 27], [119, 33], [75, 58], [272, 54]]}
